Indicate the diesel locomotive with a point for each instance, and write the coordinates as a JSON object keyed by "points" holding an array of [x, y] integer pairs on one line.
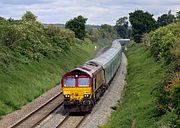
{"points": [[84, 85]]}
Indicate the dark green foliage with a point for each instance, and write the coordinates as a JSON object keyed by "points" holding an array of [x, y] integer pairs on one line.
{"points": [[166, 19], [57, 41], [142, 22], [52, 30], [163, 96], [78, 26], [168, 98], [93, 34], [2, 20], [164, 45], [29, 16], [176, 105], [104, 32], [178, 16], [26, 40], [122, 27], [108, 31]]}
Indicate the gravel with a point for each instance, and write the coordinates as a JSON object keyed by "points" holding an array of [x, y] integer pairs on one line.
{"points": [[53, 120], [103, 109], [14, 117]]}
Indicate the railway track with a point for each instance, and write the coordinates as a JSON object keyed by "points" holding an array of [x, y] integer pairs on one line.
{"points": [[38, 115], [72, 121]]}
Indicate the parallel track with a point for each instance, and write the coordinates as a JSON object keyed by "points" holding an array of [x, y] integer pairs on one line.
{"points": [[39, 114], [72, 121]]}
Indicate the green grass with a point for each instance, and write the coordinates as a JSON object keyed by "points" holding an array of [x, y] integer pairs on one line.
{"points": [[22, 84], [26, 82], [138, 102]]}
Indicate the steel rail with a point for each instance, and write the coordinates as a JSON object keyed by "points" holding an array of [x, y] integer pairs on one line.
{"points": [[68, 118], [77, 126], [18, 123], [64, 120]]}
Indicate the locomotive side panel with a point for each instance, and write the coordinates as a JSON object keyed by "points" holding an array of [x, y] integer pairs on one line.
{"points": [[99, 79]]}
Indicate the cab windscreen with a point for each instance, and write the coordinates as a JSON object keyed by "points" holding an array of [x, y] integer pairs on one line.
{"points": [[83, 82], [69, 82]]}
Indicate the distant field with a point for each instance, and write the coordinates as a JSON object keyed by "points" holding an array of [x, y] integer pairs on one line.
{"points": [[137, 105]]}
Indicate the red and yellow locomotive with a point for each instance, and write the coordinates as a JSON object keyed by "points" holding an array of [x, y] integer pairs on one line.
{"points": [[84, 85]]}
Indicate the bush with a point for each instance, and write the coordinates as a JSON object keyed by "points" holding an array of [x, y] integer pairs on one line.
{"points": [[164, 44], [24, 41], [168, 97]]}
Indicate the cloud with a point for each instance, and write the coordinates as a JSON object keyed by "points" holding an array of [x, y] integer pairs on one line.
{"points": [[97, 11], [23, 2]]}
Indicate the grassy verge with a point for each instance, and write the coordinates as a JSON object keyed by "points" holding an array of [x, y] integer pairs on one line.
{"points": [[26, 82], [137, 105]]}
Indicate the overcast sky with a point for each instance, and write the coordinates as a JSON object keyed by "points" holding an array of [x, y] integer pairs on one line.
{"points": [[97, 11]]}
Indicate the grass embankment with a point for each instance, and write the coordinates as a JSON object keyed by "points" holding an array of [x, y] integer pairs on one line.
{"points": [[33, 57], [22, 85], [26, 82], [137, 105]]}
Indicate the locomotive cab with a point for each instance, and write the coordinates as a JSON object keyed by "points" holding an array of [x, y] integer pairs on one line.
{"points": [[77, 90]]}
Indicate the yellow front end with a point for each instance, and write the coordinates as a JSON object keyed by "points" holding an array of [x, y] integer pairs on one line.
{"points": [[77, 94], [77, 99]]}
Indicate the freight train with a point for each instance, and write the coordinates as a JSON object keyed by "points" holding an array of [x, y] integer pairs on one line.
{"points": [[84, 85]]}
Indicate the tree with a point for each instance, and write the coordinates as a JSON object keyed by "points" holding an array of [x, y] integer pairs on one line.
{"points": [[122, 26], [108, 31], [166, 19], [2, 20], [78, 26], [178, 16], [142, 22], [29, 16], [93, 34]]}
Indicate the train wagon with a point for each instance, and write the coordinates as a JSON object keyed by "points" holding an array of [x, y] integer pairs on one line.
{"points": [[110, 60], [84, 85]]}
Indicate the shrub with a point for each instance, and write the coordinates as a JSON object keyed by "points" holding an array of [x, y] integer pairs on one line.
{"points": [[28, 40], [164, 45]]}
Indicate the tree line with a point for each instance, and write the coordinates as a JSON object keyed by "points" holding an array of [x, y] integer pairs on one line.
{"points": [[161, 37], [142, 22], [77, 25], [26, 40]]}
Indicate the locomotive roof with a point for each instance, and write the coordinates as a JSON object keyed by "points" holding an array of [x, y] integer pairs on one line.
{"points": [[87, 68], [106, 57], [90, 67]]}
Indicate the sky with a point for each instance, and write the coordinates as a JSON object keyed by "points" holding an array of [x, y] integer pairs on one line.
{"points": [[97, 11]]}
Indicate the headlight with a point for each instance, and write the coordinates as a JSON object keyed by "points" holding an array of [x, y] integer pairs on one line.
{"points": [[66, 95], [86, 95]]}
